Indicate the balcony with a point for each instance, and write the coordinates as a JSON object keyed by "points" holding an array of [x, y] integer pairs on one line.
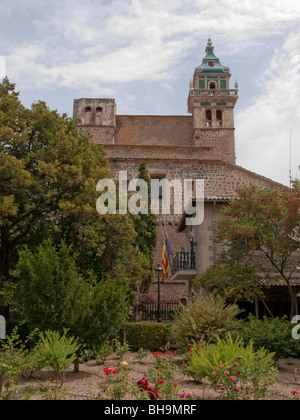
{"points": [[213, 92], [184, 266]]}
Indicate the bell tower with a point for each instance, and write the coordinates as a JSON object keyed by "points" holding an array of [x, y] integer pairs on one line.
{"points": [[212, 102]]}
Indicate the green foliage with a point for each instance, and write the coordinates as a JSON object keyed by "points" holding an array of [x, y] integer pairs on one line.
{"points": [[204, 319], [255, 243], [273, 334], [145, 226], [234, 370], [56, 351], [141, 353], [148, 335], [53, 295], [105, 350], [15, 358], [117, 382], [48, 172], [233, 281]]}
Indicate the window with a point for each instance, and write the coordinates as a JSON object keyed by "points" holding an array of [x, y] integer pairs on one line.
{"points": [[219, 118], [98, 115], [87, 115], [212, 85], [208, 118]]}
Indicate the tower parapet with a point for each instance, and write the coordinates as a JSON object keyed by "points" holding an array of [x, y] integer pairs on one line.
{"points": [[98, 116]]}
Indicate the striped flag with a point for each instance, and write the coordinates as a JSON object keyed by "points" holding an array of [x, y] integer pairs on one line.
{"points": [[166, 252]]}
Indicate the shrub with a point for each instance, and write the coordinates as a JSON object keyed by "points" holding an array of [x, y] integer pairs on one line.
{"points": [[56, 351], [235, 371], [204, 319], [15, 359], [274, 334], [148, 335], [54, 294]]}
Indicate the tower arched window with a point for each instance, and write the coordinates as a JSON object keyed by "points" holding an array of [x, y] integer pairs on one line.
{"points": [[208, 118], [99, 112], [212, 86], [87, 115], [219, 116]]}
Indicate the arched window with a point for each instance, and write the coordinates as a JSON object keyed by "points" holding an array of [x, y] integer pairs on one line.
{"points": [[212, 85], [219, 115], [87, 115], [208, 118], [99, 112]]}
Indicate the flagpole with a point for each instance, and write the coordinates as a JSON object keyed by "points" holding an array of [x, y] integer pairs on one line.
{"points": [[158, 271]]}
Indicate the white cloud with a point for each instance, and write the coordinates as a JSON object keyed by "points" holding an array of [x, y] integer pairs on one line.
{"points": [[119, 41], [2, 67], [263, 129]]}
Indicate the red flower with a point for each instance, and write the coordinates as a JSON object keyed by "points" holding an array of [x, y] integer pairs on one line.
{"points": [[295, 393], [144, 385], [108, 371]]}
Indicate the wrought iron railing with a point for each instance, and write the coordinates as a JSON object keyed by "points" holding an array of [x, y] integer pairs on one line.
{"points": [[149, 311], [184, 261], [214, 92]]}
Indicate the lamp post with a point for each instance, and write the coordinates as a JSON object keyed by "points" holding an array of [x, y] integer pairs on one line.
{"points": [[193, 246], [158, 271]]}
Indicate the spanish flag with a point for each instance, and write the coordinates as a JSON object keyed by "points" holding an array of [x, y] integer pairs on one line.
{"points": [[166, 252]]}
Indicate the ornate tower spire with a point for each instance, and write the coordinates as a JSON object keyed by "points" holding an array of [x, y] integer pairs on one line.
{"points": [[212, 102]]}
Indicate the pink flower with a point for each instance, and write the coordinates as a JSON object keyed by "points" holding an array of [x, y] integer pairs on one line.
{"points": [[232, 378], [182, 394], [226, 372], [160, 381], [221, 366], [214, 373], [236, 364], [240, 357], [295, 392]]}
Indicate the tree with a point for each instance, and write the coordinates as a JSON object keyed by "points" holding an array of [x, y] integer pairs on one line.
{"points": [[256, 242], [48, 172], [54, 295], [146, 228]]}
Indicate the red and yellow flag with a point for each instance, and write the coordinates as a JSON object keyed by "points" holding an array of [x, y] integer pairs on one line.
{"points": [[164, 263]]}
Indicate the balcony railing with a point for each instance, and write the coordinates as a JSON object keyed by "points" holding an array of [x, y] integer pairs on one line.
{"points": [[213, 92], [184, 261]]}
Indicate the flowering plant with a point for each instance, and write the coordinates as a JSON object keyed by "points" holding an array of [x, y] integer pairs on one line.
{"points": [[143, 385], [116, 385], [234, 371]]}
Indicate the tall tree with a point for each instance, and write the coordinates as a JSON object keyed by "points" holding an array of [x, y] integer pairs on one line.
{"points": [[146, 228], [48, 172], [257, 243]]}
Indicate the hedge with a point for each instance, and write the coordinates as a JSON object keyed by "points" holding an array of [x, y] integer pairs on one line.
{"points": [[148, 335]]}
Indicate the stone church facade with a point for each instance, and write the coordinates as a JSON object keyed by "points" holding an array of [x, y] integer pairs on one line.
{"points": [[200, 145]]}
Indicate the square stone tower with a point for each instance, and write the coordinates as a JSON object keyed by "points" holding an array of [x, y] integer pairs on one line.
{"points": [[212, 102], [98, 116]]}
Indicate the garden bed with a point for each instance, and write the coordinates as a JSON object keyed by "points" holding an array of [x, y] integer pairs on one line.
{"points": [[86, 384]]}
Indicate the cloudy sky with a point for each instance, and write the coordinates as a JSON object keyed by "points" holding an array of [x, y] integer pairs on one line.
{"points": [[143, 54]]}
